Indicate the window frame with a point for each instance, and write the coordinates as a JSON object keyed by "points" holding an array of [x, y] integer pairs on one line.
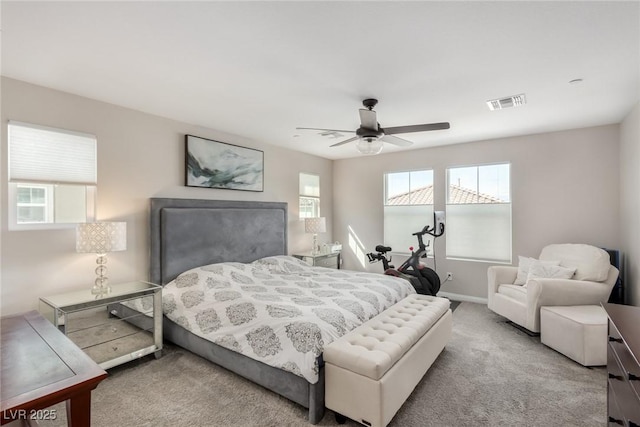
{"points": [[46, 205], [509, 202], [388, 241], [51, 186], [90, 211], [310, 198]]}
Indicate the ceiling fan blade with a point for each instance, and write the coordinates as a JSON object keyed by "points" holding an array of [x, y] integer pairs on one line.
{"points": [[337, 144], [368, 119], [396, 141], [329, 130], [416, 128]]}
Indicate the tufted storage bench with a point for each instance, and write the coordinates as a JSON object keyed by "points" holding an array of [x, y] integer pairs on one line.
{"points": [[370, 371]]}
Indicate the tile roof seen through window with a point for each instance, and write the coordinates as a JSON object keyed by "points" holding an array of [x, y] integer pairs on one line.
{"points": [[458, 195]]}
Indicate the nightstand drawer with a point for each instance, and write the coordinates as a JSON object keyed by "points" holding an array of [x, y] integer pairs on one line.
{"points": [[327, 261]]}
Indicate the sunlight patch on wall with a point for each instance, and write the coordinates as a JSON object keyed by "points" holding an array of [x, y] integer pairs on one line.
{"points": [[357, 247]]}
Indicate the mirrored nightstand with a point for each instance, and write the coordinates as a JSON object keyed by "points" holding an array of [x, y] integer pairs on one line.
{"points": [[113, 328]]}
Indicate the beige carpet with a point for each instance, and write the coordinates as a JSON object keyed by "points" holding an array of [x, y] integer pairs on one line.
{"points": [[490, 374]]}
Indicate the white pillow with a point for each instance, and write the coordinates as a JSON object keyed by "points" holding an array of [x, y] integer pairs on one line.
{"points": [[524, 264], [540, 270]]}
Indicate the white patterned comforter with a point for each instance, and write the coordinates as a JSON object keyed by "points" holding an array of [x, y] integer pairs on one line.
{"points": [[278, 310]]}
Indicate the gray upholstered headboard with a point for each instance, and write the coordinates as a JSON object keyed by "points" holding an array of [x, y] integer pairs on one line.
{"points": [[188, 233]]}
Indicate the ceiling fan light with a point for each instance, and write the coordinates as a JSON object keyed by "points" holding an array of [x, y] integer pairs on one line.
{"points": [[369, 146]]}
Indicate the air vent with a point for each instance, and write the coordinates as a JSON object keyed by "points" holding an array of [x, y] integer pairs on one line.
{"points": [[508, 102], [331, 134]]}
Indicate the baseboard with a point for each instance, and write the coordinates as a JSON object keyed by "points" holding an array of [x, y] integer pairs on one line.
{"points": [[460, 297]]}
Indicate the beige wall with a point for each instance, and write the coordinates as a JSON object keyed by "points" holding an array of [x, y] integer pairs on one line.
{"points": [[139, 156], [564, 189], [630, 203]]}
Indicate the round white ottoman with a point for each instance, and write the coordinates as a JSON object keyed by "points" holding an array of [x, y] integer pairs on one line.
{"points": [[579, 332]]}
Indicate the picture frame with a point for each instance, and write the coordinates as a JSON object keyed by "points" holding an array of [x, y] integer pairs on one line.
{"points": [[215, 164]]}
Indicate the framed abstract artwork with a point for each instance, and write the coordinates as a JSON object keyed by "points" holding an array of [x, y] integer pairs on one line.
{"points": [[214, 164]]}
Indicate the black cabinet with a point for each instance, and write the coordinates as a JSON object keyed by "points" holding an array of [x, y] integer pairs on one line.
{"points": [[617, 293]]}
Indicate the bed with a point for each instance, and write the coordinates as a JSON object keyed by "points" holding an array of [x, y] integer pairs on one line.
{"points": [[191, 239]]}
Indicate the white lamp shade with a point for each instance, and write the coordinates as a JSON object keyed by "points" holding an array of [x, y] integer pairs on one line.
{"points": [[315, 225], [101, 237]]}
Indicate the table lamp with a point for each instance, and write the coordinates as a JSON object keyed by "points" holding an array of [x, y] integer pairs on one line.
{"points": [[315, 226], [100, 238]]}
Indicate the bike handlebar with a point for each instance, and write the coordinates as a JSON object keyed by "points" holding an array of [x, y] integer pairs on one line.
{"points": [[432, 231], [424, 231]]}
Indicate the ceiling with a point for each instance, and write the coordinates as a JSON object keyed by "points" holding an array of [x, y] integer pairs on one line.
{"points": [[261, 69]]}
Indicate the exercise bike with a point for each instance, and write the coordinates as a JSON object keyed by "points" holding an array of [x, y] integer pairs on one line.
{"points": [[425, 280]]}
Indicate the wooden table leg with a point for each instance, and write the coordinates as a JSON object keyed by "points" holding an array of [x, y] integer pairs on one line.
{"points": [[79, 410]]}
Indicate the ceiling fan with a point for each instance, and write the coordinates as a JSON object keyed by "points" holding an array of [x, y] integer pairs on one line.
{"points": [[370, 135]]}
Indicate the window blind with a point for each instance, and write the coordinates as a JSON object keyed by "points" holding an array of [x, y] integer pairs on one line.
{"points": [[48, 155], [479, 232], [400, 222], [408, 207], [309, 185]]}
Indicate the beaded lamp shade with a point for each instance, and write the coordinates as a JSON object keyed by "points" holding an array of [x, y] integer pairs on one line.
{"points": [[315, 226], [101, 238]]}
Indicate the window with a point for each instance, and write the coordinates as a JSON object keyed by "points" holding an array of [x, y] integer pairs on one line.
{"points": [[408, 207], [52, 176], [32, 206], [479, 213], [309, 195]]}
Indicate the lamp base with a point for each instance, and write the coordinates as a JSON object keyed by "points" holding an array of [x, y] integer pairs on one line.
{"points": [[101, 286], [100, 289]]}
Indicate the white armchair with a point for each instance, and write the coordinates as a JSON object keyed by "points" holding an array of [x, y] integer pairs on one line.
{"points": [[591, 283]]}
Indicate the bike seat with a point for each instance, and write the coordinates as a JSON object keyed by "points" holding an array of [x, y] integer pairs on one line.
{"points": [[383, 249]]}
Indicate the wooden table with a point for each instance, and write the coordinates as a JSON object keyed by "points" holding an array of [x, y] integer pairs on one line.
{"points": [[41, 367]]}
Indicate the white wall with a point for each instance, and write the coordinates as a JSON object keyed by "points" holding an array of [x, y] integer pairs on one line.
{"points": [[139, 156], [564, 189], [630, 204]]}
